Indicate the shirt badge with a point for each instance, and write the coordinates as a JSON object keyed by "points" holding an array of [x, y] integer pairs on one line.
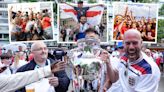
{"points": [[131, 81]]}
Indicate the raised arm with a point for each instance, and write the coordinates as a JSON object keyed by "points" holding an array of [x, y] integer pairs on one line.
{"points": [[131, 15], [112, 74], [126, 11], [10, 83], [10, 13], [97, 5]]}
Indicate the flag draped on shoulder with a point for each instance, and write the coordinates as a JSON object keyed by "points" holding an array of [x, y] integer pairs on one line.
{"points": [[93, 15]]}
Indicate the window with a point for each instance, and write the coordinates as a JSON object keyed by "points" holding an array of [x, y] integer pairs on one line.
{"points": [[3, 20], [0, 36], [4, 28], [3, 5], [3, 14], [6, 36]]}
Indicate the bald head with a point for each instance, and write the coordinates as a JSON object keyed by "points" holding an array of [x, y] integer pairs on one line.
{"points": [[132, 44], [147, 50], [40, 52], [35, 45], [132, 33]]}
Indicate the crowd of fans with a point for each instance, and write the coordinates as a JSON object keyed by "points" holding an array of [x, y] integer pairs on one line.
{"points": [[24, 60], [146, 26], [71, 33], [26, 26], [82, 84], [78, 31], [14, 60]]}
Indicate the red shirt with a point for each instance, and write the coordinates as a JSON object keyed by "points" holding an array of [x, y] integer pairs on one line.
{"points": [[46, 22], [23, 25], [158, 60]]}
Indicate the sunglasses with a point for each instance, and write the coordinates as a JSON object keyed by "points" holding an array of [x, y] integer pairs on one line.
{"points": [[121, 47], [5, 57]]}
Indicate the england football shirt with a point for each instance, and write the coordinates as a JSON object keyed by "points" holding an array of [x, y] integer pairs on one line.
{"points": [[142, 75]]}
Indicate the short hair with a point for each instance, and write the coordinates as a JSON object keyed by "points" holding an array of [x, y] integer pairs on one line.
{"points": [[92, 30], [80, 2], [6, 55], [83, 16], [34, 45]]}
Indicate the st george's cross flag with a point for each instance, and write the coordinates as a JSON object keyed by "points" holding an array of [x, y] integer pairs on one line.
{"points": [[93, 15]]}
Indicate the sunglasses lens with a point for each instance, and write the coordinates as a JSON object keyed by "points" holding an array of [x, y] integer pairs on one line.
{"points": [[4, 57]]}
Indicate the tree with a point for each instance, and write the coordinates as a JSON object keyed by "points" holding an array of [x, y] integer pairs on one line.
{"points": [[161, 10], [92, 1], [160, 34]]}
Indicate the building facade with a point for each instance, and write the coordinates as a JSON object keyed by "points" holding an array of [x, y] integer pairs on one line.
{"points": [[4, 26]]}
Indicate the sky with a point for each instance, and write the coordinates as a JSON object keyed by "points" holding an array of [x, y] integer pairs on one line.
{"points": [[138, 10]]}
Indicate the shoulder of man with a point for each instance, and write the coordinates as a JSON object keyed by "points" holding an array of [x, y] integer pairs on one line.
{"points": [[27, 67]]}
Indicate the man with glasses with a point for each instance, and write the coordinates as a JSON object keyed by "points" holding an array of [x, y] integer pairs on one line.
{"points": [[59, 80], [10, 83], [137, 72]]}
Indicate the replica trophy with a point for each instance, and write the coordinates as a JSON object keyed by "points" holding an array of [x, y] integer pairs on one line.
{"points": [[86, 63]]}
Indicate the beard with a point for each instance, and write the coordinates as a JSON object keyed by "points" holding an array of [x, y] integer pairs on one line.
{"points": [[133, 54]]}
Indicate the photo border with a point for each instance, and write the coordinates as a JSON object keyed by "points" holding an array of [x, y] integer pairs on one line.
{"points": [[114, 3], [52, 23], [73, 42]]}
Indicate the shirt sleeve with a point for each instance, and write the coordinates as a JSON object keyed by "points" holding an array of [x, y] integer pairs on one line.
{"points": [[75, 8], [147, 83], [87, 8], [10, 83]]}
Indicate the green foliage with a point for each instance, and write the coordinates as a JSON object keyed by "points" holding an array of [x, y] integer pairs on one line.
{"points": [[91, 1], [161, 10], [87, 48], [31, 0], [85, 67], [69, 0], [160, 34]]}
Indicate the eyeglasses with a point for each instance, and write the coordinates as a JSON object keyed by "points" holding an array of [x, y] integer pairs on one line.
{"points": [[5, 57], [40, 49], [121, 47]]}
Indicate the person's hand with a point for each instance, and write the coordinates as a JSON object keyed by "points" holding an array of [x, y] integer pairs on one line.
{"points": [[104, 89], [59, 66], [53, 81], [104, 56], [107, 85], [11, 7], [126, 8]]}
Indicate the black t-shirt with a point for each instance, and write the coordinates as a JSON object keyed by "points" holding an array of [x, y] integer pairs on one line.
{"points": [[59, 53]]}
